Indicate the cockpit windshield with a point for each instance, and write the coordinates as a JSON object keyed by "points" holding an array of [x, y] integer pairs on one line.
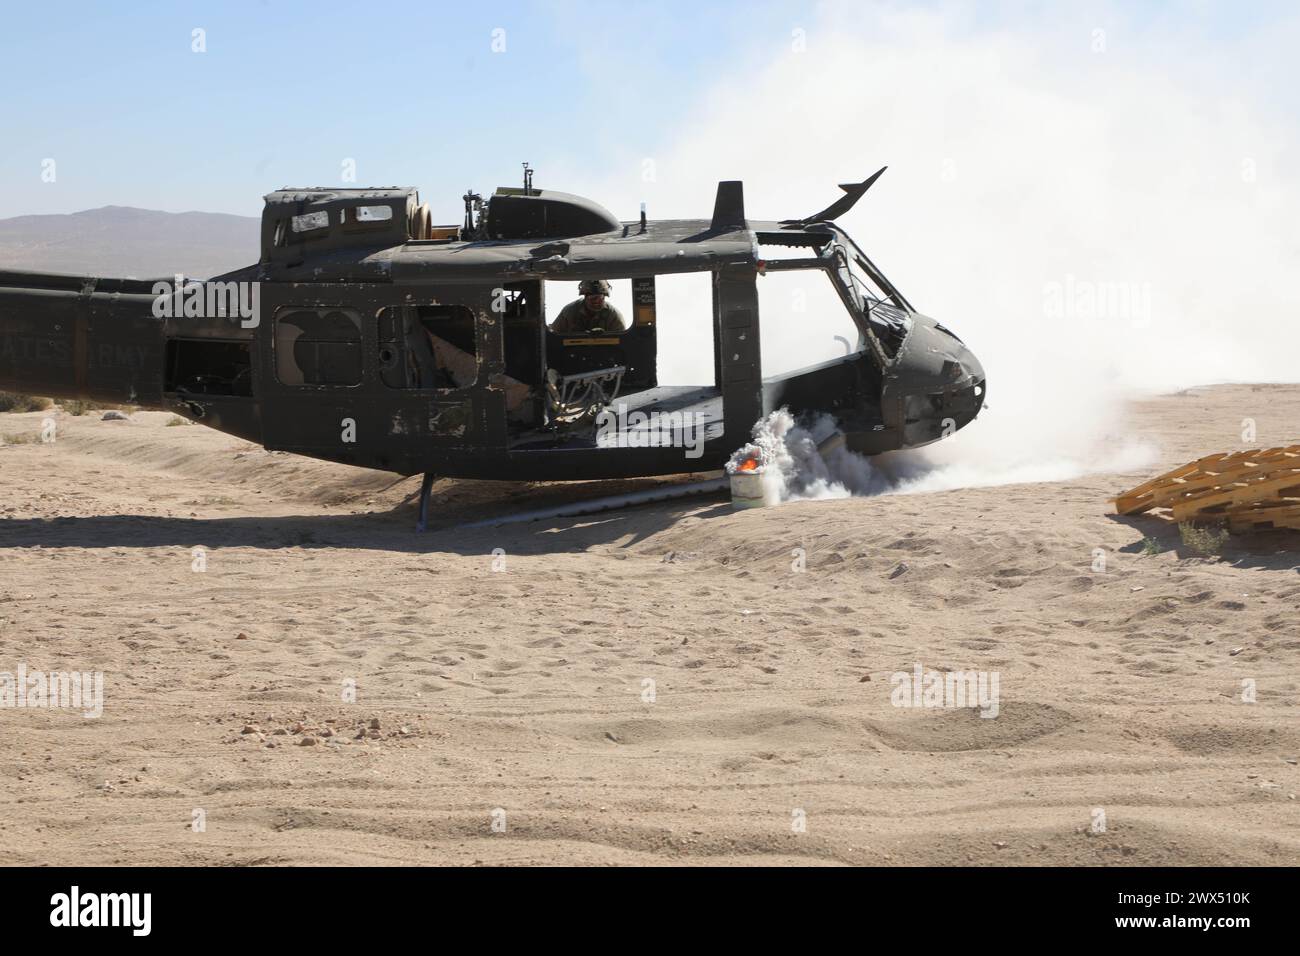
{"points": [[867, 291]]}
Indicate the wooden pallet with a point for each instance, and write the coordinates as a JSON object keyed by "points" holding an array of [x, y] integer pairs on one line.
{"points": [[1245, 490]]}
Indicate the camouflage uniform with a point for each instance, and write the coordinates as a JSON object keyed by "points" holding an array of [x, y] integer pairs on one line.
{"points": [[576, 317]]}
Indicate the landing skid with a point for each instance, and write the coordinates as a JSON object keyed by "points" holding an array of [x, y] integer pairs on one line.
{"points": [[426, 486], [663, 492]]}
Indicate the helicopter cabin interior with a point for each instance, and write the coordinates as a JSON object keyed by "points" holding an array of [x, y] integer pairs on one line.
{"points": [[469, 348], [370, 312]]}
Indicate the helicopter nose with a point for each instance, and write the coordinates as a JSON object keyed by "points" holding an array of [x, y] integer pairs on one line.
{"points": [[937, 383]]}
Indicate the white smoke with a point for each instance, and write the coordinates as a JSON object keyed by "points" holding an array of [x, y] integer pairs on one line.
{"points": [[809, 460], [1101, 208]]}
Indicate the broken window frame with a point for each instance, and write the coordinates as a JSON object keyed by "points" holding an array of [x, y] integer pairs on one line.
{"points": [[381, 342], [309, 222]]}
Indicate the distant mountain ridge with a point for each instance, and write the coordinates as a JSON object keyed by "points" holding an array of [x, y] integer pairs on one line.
{"points": [[125, 241]]}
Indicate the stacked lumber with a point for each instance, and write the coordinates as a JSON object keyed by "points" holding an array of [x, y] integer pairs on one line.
{"points": [[1244, 490]]}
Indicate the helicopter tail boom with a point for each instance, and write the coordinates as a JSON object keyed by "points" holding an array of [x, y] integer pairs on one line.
{"points": [[68, 336]]}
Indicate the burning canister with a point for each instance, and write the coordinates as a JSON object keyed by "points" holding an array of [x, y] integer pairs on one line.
{"points": [[748, 485]]}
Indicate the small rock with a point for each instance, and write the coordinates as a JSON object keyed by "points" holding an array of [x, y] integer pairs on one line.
{"points": [[241, 636], [1235, 651], [899, 571], [113, 415], [251, 729], [307, 740], [375, 724]]}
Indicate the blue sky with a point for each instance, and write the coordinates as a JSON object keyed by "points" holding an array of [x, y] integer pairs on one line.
{"points": [[285, 92], [413, 92]]}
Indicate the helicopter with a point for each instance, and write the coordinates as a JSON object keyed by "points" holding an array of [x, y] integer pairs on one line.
{"points": [[367, 335]]}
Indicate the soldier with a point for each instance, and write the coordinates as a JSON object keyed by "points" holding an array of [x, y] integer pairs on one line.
{"points": [[591, 313]]}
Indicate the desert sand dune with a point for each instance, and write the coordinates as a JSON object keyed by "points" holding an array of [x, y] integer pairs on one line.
{"points": [[658, 685]]}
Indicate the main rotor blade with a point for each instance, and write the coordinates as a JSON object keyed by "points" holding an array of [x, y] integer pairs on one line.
{"points": [[853, 192]]}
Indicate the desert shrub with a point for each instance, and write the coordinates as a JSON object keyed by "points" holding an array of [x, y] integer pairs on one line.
{"points": [[78, 406], [1203, 540], [13, 402]]}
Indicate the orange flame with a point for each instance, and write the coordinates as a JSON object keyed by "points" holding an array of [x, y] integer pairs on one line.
{"points": [[749, 464]]}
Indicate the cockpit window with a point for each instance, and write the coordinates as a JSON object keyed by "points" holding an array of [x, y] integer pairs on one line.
{"points": [[888, 322], [862, 282]]}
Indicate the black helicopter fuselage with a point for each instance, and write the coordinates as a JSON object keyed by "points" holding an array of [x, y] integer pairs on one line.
{"points": [[365, 335]]}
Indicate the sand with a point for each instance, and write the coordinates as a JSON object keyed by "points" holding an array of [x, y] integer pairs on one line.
{"points": [[657, 686]]}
